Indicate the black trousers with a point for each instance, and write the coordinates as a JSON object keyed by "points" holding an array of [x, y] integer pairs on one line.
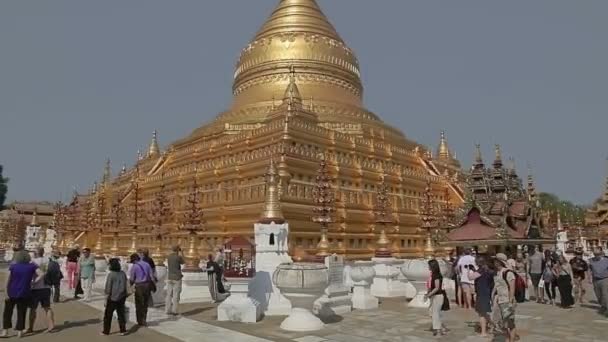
{"points": [[119, 307], [550, 289], [56, 293], [9, 305], [564, 284], [143, 295]]}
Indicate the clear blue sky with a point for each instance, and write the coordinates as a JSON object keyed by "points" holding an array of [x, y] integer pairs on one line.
{"points": [[83, 80]]}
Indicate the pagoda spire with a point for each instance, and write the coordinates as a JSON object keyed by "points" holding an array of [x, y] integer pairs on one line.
{"points": [[272, 205], [292, 96], [107, 172], [497, 157], [34, 222], [123, 170], [478, 157], [443, 152], [153, 149], [531, 187]]}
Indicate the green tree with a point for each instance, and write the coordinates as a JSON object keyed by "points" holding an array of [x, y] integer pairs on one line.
{"points": [[3, 189], [570, 212]]}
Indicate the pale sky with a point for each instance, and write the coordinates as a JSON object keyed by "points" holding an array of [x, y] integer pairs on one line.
{"points": [[83, 80]]}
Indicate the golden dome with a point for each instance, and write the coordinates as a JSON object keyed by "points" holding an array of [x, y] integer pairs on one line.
{"points": [[297, 35]]}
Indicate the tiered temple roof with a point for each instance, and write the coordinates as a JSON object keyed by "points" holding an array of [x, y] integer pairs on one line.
{"points": [[499, 211]]}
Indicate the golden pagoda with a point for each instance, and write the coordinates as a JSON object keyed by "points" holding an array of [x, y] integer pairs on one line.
{"points": [[298, 95]]}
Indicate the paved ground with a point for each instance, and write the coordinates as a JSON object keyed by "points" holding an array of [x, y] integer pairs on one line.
{"points": [[79, 322], [393, 322]]}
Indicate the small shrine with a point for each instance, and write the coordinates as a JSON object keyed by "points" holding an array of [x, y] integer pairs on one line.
{"points": [[240, 258], [239, 270]]}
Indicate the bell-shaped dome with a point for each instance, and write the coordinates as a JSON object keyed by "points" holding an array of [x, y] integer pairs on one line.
{"points": [[297, 35]]}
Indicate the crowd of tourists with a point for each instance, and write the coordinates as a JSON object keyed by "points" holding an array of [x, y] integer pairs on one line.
{"points": [[493, 286], [34, 282]]}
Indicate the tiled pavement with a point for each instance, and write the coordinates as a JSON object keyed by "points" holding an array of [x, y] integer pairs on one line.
{"points": [[393, 322]]}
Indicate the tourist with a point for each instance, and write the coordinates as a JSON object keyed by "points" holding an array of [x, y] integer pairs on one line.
{"points": [[466, 285], [579, 268], [484, 284], [41, 293], [175, 260], [598, 269], [455, 277], [563, 272], [140, 276], [18, 292], [72, 267], [504, 296], [437, 296], [216, 288], [535, 269], [116, 294], [86, 269], [521, 268], [145, 257], [54, 275], [550, 280]]}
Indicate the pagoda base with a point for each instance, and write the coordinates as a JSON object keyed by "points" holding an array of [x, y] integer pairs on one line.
{"points": [[239, 307], [194, 288], [386, 283]]}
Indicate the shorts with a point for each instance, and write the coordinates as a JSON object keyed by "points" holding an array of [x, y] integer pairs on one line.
{"points": [[42, 297], [467, 286], [507, 315], [535, 277]]}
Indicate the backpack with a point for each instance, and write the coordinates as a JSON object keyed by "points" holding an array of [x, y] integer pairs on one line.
{"points": [[579, 265], [53, 274], [520, 286]]}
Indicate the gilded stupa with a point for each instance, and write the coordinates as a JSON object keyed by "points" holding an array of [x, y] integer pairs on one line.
{"points": [[298, 96]]}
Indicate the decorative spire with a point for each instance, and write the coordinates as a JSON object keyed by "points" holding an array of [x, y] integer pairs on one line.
{"points": [[272, 205], [139, 155], [427, 216], [34, 222], [383, 217], [95, 187], [443, 152], [153, 150], [123, 170], [498, 157], [107, 172], [478, 157], [292, 96], [323, 198], [531, 187]]}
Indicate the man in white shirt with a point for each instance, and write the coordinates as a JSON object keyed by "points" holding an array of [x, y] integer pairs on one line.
{"points": [[462, 268]]}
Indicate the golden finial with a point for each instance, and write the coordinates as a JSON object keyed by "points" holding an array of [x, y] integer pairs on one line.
{"points": [[443, 152], [94, 187], [123, 170], [272, 205], [154, 149], [382, 246]]}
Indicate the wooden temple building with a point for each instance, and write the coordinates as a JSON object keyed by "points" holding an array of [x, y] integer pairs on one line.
{"points": [[297, 97], [500, 212], [596, 221]]}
